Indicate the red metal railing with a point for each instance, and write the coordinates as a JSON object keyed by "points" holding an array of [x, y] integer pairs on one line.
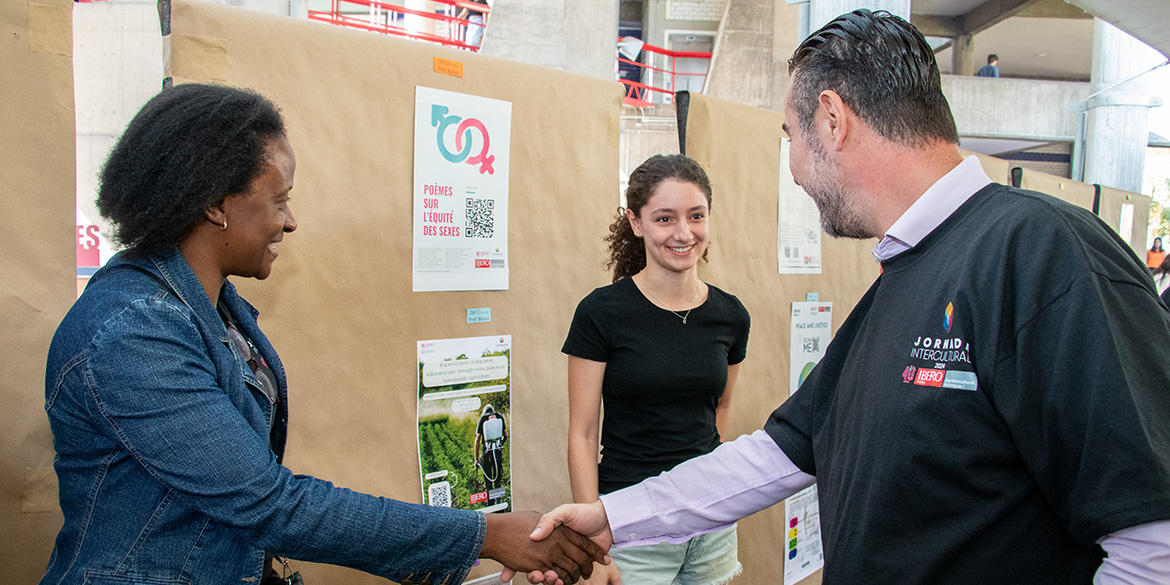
{"points": [[646, 94], [444, 28]]}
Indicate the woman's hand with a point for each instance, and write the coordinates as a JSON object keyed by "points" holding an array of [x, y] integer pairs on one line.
{"points": [[561, 558]]}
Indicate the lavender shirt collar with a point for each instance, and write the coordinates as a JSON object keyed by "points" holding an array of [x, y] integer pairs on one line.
{"points": [[932, 208]]}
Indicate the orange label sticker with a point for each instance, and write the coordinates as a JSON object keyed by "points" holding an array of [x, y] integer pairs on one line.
{"points": [[449, 67]]}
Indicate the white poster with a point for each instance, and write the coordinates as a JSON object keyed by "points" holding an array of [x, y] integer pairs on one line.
{"points": [[464, 422], [812, 330], [811, 333], [461, 158], [1125, 230], [804, 555], [798, 224]]}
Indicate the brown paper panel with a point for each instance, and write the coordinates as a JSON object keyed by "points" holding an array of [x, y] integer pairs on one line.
{"points": [[740, 148], [1109, 207], [339, 305], [1075, 192], [38, 262], [1110, 212], [50, 29], [202, 58]]}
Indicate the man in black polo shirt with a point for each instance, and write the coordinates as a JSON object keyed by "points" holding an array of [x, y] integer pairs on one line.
{"points": [[995, 409]]}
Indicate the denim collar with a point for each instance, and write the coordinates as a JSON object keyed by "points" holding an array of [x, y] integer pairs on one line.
{"points": [[178, 274], [171, 268]]}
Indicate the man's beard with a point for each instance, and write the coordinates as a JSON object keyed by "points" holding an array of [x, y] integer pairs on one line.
{"points": [[840, 217]]}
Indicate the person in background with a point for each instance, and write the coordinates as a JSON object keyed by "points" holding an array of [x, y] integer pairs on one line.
{"points": [[474, 36], [1162, 275], [169, 406], [1156, 254], [1005, 374], [991, 69], [491, 432], [660, 350]]}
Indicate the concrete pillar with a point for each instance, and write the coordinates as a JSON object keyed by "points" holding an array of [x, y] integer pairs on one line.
{"points": [[963, 55], [822, 11], [1117, 124], [591, 32], [579, 37], [742, 67]]}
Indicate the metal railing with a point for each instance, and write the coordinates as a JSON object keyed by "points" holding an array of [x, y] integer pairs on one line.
{"points": [[442, 26], [660, 77]]}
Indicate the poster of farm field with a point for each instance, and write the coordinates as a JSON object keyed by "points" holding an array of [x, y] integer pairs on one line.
{"points": [[464, 416]]}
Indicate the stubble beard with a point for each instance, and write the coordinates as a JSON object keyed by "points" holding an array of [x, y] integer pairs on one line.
{"points": [[840, 217]]}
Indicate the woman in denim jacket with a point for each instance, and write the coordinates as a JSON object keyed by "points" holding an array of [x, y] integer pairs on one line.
{"points": [[168, 404]]}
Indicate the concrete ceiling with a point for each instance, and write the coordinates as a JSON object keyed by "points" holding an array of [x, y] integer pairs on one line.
{"points": [[1064, 50], [1045, 39], [1037, 39], [1144, 19], [1040, 39]]}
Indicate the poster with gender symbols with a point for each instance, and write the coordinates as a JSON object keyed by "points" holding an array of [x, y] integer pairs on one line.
{"points": [[461, 157], [812, 329], [464, 422]]}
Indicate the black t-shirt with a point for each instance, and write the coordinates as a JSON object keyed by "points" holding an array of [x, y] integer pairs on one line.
{"points": [[663, 378], [996, 402]]}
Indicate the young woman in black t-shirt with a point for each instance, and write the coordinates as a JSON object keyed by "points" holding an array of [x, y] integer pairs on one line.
{"points": [[661, 349]]}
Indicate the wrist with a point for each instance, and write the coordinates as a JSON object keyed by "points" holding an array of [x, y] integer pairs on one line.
{"points": [[491, 539]]}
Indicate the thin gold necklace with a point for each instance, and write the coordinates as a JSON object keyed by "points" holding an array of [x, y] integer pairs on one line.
{"points": [[661, 304]]}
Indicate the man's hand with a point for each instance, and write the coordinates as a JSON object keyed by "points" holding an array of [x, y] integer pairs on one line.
{"points": [[587, 519], [560, 557]]}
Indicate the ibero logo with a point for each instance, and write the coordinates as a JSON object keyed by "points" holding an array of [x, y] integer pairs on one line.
{"points": [[470, 136]]}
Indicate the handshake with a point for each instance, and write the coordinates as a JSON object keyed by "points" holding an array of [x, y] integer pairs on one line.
{"points": [[555, 549]]}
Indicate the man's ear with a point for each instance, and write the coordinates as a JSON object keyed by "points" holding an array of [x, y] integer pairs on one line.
{"points": [[836, 118]]}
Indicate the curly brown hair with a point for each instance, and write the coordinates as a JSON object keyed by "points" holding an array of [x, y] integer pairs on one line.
{"points": [[627, 252]]}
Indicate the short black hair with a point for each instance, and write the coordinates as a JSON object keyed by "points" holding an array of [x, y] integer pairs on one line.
{"points": [[186, 150], [882, 68], [992, 58]]}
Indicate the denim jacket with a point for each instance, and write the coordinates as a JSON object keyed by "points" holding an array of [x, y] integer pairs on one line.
{"points": [[166, 469]]}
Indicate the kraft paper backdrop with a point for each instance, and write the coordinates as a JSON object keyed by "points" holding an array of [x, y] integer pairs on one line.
{"points": [[38, 263], [1109, 209], [745, 176], [1108, 205], [1075, 192], [339, 307]]}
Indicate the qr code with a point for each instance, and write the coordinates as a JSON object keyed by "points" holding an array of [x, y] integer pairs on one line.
{"points": [[811, 344], [481, 218], [439, 494]]}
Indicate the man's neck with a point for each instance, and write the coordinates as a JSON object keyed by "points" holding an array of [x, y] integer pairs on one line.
{"points": [[895, 176]]}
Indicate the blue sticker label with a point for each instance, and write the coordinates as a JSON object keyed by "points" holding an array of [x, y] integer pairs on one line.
{"points": [[483, 315], [961, 380], [812, 297]]}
